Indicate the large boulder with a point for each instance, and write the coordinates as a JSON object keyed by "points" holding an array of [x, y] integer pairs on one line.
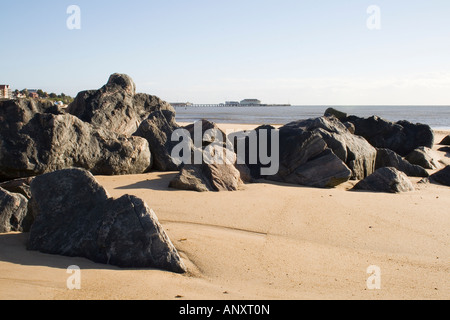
{"points": [[75, 217], [386, 179], [157, 130], [247, 145], [424, 157], [388, 158], [51, 142], [116, 106], [402, 136], [218, 174], [305, 159], [442, 176], [13, 212], [353, 150]]}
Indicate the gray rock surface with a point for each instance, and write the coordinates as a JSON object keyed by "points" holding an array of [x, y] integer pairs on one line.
{"points": [[402, 136], [386, 179], [424, 157], [210, 176], [50, 142], [157, 130], [116, 106], [13, 212], [354, 151], [388, 158], [75, 217]]}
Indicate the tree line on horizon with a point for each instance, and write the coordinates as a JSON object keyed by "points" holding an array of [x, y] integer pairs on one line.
{"points": [[44, 95]]}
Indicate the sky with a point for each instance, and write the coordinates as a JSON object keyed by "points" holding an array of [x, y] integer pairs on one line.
{"points": [[302, 52]]}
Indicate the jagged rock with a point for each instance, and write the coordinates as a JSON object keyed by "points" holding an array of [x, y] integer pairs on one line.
{"points": [[336, 113], [117, 107], [247, 145], [402, 136], [218, 175], [354, 151], [424, 157], [158, 132], [442, 176], [50, 142], [324, 171], [305, 159], [386, 179], [13, 212], [388, 158], [75, 217], [21, 186], [210, 132], [445, 141]]}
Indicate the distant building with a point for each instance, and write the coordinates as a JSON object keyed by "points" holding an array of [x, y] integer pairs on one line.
{"points": [[250, 102], [5, 91]]}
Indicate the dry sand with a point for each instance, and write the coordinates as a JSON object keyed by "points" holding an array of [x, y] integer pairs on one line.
{"points": [[269, 241]]}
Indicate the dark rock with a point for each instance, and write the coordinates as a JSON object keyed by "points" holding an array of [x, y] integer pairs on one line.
{"points": [[350, 127], [324, 171], [76, 218], [210, 132], [21, 186], [13, 212], [336, 113], [423, 157], [250, 143], [219, 175], [442, 176], [305, 159], [117, 107], [386, 179], [158, 132], [353, 150], [445, 141], [402, 137], [388, 158], [50, 142]]}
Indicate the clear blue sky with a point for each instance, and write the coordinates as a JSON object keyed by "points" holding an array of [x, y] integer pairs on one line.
{"points": [[209, 51]]}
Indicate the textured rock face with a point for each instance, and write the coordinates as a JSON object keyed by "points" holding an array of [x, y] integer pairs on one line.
{"points": [[442, 176], [157, 130], [75, 217], [402, 137], [388, 158], [52, 142], [388, 180], [424, 157], [219, 175], [13, 212], [354, 151], [116, 106], [305, 159]]}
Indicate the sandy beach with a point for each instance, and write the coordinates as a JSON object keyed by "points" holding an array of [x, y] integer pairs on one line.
{"points": [[270, 241]]}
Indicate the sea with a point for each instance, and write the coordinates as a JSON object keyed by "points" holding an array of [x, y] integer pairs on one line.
{"points": [[437, 117]]}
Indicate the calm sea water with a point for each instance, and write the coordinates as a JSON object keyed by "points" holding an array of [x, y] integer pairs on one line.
{"points": [[438, 117]]}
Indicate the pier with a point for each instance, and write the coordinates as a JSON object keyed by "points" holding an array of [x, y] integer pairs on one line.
{"points": [[221, 105]]}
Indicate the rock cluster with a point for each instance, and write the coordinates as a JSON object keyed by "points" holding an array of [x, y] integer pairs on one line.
{"points": [[48, 156]]}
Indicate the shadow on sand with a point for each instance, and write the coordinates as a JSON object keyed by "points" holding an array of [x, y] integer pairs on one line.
{"points": [[161, 184]]}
